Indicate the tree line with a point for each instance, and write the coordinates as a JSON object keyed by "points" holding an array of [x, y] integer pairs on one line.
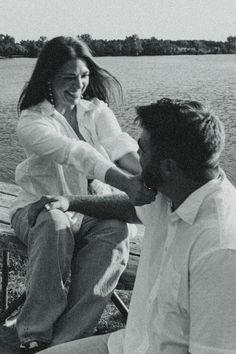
{"points": [[130, 46]]}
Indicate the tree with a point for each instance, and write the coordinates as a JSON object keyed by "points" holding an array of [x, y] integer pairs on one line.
{"points": [[32, 50], [86, 37], [231, 44], [133, 45], [7, 44], [41, 41]]}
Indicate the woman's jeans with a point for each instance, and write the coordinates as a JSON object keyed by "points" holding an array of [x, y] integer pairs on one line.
{"points": [[96, 257], [92, 345]]}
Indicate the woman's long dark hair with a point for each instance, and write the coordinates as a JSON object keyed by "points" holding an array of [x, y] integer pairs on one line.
{"points": [[53, 56]]}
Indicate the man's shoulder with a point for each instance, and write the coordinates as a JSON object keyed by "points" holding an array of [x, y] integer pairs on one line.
{"points": [[217, 216], [225, 202]]}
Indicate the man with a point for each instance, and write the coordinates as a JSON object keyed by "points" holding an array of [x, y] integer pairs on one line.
{"points": [[184, 299]]}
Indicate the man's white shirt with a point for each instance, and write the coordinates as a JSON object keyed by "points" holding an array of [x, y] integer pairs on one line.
{"points": [[184, 299]]}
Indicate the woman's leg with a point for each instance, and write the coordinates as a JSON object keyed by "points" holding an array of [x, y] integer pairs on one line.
{"points": [[91, 345], [50, 249], [99, 260]]}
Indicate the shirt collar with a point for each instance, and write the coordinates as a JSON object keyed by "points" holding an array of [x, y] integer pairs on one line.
{"points": [[188, 210], [48, 109]]}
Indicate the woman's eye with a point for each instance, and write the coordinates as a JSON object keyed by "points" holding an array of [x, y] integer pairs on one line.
{"points": [[67, 78]]}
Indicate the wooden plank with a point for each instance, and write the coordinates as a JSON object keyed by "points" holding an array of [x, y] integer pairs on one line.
{"points": [[6, 200], [127, 278], [136, 242], [8, 188], [9, 242], [126, 281], [4, 215], [6, 229]]}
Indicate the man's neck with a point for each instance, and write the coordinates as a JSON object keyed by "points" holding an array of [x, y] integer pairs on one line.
{"points": [[179, 191], [178, 197]]}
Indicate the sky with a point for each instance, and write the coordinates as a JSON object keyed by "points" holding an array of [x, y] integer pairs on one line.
{"points": [[116, 19]]}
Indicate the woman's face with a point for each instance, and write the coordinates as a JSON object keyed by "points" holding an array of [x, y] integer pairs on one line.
{"points": [[70, 83]]}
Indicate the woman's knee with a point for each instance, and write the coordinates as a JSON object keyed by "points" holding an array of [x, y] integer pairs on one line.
{"points": [[56, 219], [119, 236], [53, 226], [119, 228]]}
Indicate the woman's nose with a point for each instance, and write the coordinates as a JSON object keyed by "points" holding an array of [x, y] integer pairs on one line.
{"points": [[79, 82]]}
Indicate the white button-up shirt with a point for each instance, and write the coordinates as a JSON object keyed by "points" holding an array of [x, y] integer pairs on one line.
{"points": [[58, 162], [184, 298]]}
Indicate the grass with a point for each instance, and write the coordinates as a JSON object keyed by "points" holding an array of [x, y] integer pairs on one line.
{"points": [[111, 319]]}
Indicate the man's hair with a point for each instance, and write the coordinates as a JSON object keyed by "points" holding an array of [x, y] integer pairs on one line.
{"points": [[186, 132]]}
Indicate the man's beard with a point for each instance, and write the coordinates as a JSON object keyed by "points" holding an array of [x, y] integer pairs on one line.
{"points": [[152, 177]]}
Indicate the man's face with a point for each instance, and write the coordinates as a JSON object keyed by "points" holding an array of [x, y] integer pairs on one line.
{"points": [[150, 164]]}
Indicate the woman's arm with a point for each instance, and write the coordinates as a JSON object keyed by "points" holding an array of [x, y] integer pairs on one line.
{"points": [[138, 193], [120, 146], [130, 163], [38, 136]]}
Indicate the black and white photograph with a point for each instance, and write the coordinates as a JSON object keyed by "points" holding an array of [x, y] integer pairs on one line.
{"points": [[118, 177]]}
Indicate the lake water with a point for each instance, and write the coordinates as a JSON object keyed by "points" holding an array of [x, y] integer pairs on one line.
{"points": [[210, 79]]}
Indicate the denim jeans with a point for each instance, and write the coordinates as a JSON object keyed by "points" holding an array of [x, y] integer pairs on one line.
{"points": [[96, 256], [92, 345]]}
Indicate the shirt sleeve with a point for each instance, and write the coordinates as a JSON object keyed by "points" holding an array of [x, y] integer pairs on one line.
{"points": [[213, 303], [41, 138], [116, 142]]}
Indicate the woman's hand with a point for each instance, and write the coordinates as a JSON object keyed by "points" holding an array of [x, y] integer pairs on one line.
{"points": [[48, 203], [134, 186], [138, 192], [130, 163]]}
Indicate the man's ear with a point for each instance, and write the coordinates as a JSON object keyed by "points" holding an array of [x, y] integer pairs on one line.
{"points": [[168, 168]]}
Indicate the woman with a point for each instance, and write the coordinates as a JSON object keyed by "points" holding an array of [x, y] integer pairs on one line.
{"points": [[69, 136]]}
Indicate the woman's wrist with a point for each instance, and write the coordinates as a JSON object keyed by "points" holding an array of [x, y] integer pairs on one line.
{"points": [[117, 179]]}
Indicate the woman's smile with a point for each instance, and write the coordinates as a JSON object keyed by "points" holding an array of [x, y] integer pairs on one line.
{"points": [[70, 83]]}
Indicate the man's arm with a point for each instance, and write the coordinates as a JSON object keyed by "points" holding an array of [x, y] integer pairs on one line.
{"points": [[212, 298], [114, 206]]}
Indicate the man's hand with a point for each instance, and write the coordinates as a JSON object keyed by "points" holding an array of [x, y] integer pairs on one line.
{"points": [[138, 193], [48, 203]]}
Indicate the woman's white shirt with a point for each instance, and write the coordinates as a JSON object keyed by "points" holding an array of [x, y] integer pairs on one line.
{"points": [[58, 162]]}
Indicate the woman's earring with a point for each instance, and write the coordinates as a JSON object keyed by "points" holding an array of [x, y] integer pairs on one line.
{"points": [[50, 93]]}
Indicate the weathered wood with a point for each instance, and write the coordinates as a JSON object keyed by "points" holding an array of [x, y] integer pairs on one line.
{"points": [[4, 216], [127, 278], [9, 242], [10, 189], [6, 200], [5, 275]]}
